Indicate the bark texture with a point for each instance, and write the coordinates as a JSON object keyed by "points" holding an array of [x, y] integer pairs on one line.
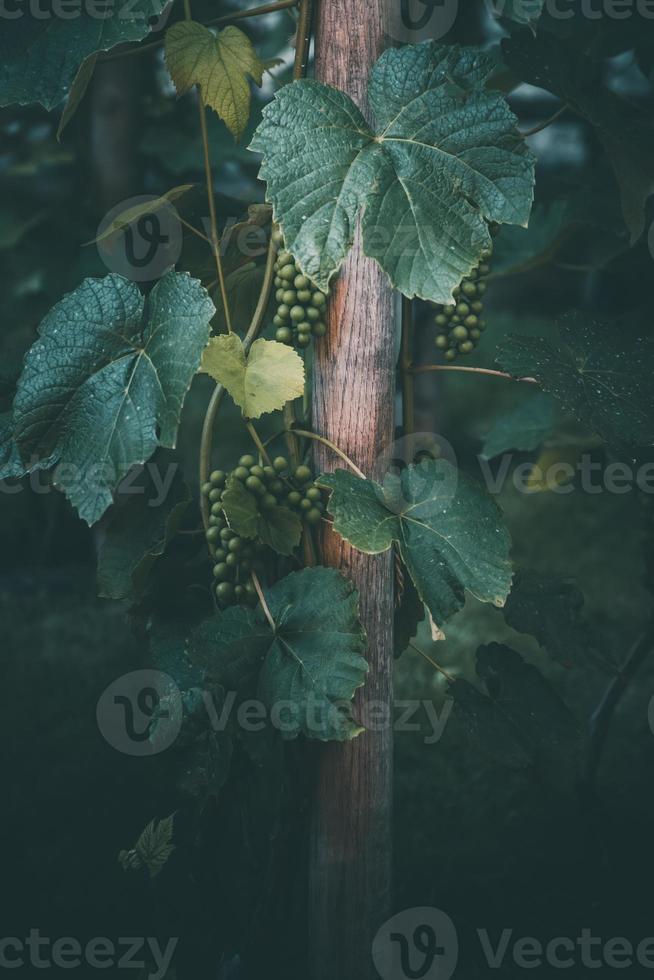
{"points": [[353, 405]]}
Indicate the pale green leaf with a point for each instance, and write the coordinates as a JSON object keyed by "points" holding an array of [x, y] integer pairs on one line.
{"points": [[221, 65], [104, 384], [449, 531], [262, 381], [445, 159], [42, 53], [308, 668]]}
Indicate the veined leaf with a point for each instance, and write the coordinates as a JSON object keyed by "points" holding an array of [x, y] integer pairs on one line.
{"points": [[259, 382], [104, 384], [309, 668], [152, 849], [11, 464], [450, 533], [41, 53], [595, 372], [221, 65], [446, 158], [280, 528]]}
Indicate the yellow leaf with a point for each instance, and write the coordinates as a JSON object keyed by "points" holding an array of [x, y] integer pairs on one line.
{"points": [[555, 467], [271, 375], [220, 65]]}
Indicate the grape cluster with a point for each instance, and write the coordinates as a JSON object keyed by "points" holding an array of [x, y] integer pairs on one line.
{"points": [[460, 324], [274, 485], [300, 304]]}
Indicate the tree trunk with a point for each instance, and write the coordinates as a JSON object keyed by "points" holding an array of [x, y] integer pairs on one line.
{"points": [[354, 385]]}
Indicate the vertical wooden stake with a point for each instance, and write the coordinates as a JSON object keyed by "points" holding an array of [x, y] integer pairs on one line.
{"points": [[354, 390]]}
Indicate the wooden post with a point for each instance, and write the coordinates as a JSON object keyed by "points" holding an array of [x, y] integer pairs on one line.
{"points": [[354, 386]]}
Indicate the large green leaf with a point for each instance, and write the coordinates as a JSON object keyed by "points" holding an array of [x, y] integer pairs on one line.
{"points": [[41, 52], [104, 384], [597, 372], [308, 668], [626, 132], [11, 464], [221, 65], [449, 531], [445, 159], [524, 428], [139, 530], [278, 527], [261, 381]]}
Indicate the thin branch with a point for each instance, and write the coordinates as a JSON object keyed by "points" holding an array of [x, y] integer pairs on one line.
{"points": [[262, 600], [268, 8], [257, 441], [303, 38], [206, 441], [196, 231], [424, 368], [441, 670], [546, 123], [600, 721], [334, 448], [408, 388]]}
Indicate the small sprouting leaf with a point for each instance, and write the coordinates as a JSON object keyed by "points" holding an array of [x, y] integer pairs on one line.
{"points": [[523, 429], [41, 53], [446, 158], [104, 384], [449, 531], [139, 530], [259, 382], [278, 527], [308, 668], [152, 849], [221, 65], [129, 216], [597, 373]]}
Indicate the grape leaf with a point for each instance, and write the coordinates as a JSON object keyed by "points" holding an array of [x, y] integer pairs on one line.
{"points": [[11, 464], [525, 12], [551, 609], [310, 666], [596, 372], [220, 65], [524, 428], [450, 534], [138, 532], [41, 53], [262, 381], [152, 849], [626, 132], [279, 527], [104, 384], [131, 215], [408, 615], [77, 92], [446, 158]]}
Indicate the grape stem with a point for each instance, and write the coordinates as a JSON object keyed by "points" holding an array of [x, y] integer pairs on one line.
{"points": [[304, 433], [548, 122], [262, 600], [219, 392], [257, 441], [441, 670], [424, 368]]}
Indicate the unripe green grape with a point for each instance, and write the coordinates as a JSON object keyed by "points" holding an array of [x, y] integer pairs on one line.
{"points": [[214, 521], [450, 354], [268, 502], [232, 560], [303, 296], [269, 473], [254, 485], [469, 288], [302, 474], [280, 463], [289, 297], [225, 591], [303, 340], [294, 498], [304, 327], [313, 516], [220, 554], [215, 495], [250, 589], [319, 299], [449, 309], [257, 470], [456, 291], [471, 321], [226, 534], [297, 314], [279, 295], [301, 282], [312, 314], [277, 237], [466, 347], [235, 544], [442, 342], [441, 320], [475, 334], [218, 478], [284, 335], [287, 272], [462, 309], [216, 510], [460, 333], [306, 504], [241, 473], [221, 571], [313, 493], [206, 489], [284, 311], [213, 534], [481, 288], [487, 254], [239, 592], [278, 322], [477, 306]]}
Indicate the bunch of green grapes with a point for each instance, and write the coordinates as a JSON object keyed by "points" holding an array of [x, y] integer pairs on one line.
{"points": [[300, 304], [460, 324], [274, 485]]}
